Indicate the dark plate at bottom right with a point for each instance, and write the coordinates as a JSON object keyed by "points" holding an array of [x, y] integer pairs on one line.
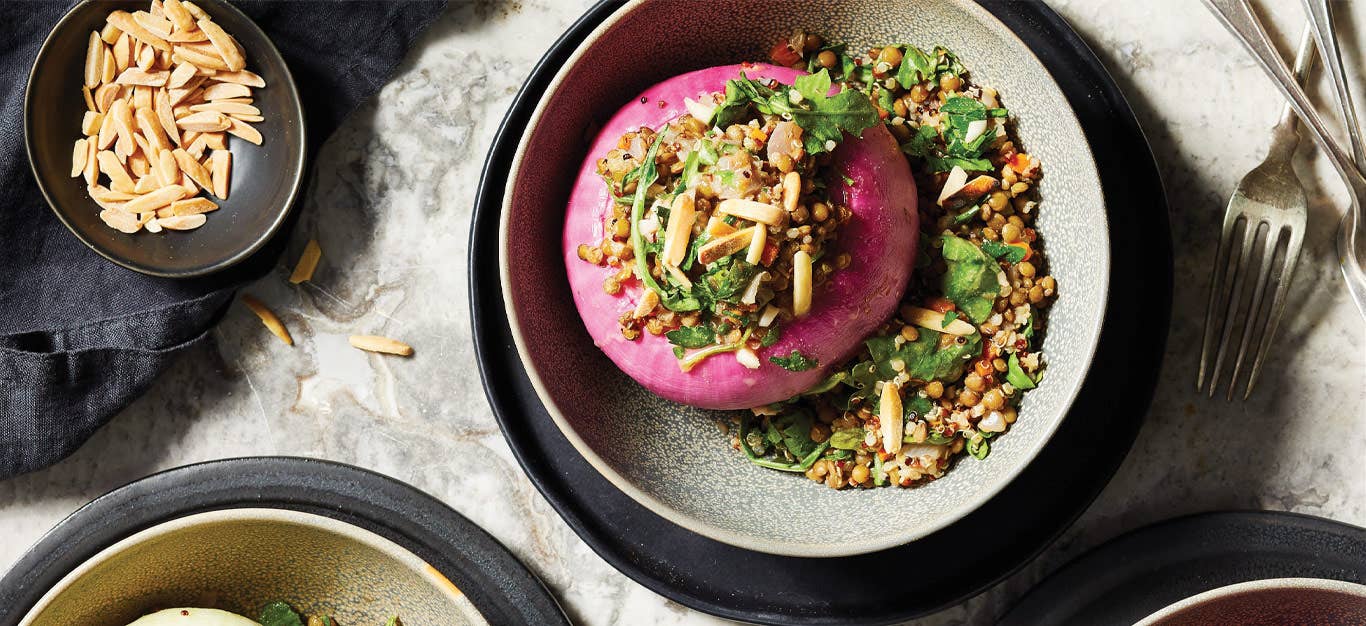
{"points": [[1136, 574]]}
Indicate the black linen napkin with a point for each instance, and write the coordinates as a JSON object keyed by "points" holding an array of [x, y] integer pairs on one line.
{"points": [[80, 337]]}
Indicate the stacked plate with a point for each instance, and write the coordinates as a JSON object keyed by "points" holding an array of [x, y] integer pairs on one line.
{"points": [[737, 541]]}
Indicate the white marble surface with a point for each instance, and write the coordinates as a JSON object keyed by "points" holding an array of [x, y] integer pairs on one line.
{"points": [[391, 205]]}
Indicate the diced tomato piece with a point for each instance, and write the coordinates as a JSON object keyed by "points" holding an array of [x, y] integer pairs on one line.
{"points": [[783, 54], [940, 305], [770, 253], [1019, 162], [1029, 252]]}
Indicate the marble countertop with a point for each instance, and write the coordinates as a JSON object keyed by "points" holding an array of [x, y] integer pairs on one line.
{"points": [[403, 170]]}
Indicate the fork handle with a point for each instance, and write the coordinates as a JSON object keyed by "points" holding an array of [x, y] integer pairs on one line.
{"points": [[1321, 20], [1284, 139]]}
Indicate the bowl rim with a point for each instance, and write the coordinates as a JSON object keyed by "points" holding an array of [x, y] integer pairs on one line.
{"points": [[1264, 584], [295, 184], [277, 516], [694, 523]]}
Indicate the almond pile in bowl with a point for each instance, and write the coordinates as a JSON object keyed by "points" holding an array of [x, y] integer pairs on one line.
{"points": [[163, 89]]}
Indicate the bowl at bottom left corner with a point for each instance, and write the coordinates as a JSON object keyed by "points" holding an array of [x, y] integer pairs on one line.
{"points": [[239, 560]]}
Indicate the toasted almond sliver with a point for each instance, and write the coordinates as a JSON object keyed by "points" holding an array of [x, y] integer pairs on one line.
{"points": [[194, 10], [123, 52], [108, 68], [224, 43], [204, 122], [110, 33], [217, 141], [151, 129], [159, 26], [123, 125], [244, 130], [221, 162], [247, 118], [153, 226], [90, 123], [178, 15], [223, 91], [182, 74], [167, 170], [92, 164], [187, 36], [147, 184], [198, 146], [242, 77], [104, 194], [89, 99], [146, 57], [79, 153], [156, 9], [751, 210], [267, 316], [934, 320], [201, 59], [184, 96], [105, 96], [124, 21], [193, 169], [193, 206], [191, 188], [138, 166], [94, 59], [147, 203], [183, 222], [142, 97], [226, 108], [375, 343], [308, 263], [164, 212], [120, 221], [801, 283], [138, 76], [119, 180]]}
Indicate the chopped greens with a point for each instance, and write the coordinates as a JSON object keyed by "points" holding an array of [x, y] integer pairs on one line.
{"points": [[691, 336], [824, 119], [970, 281], [1016, 376], [279, 614], [1003, 251], [794, 362], [848, 439]]}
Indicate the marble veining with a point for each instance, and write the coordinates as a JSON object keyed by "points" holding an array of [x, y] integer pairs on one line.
{"points": [[390, 202]]}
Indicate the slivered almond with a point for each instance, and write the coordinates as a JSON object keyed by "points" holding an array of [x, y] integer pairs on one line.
{"points": [[755, 253], [105, 96], [198, 146], [108, 68], [157, 25], [94, 59], [752, 211], [178, 15], [188, 137], [137, 165], [247, 118], [308, 263], [217, 141], [182, 222], [79, 153], [110, 33], [188, 93], [125, 22], [792, 191], [226, 108], [193, 169], [161, 104], [193, 206], [150, 202], [204, 122], [165, 212], [224, 43], [890, 418], [801, 283], [182, 74], [123, 125], [194, 10], [184, 52], [187, 36], [146, 57], [188, 183], [242, 129], [223, 91], [221, 162], [142, 97], [89, 99], [717, 227], [934, 320], [90, 123], [104, 194], [92, 164], [267, 316], [385, 345], [147, 184], [156, 9], [725, 246], [120, 221], [138, 76], [153, 226], [679, 231], [242, 77], [151, 129], [235, 100], [167, 170], [123, 52]]}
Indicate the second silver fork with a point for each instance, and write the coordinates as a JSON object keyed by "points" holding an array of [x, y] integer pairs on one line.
{"points": [[1269, 196]]}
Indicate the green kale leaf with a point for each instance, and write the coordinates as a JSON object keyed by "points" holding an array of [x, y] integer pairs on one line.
{"points": [[279, 614], [916, 67], [847, 112], [795, 362], [970, 280], [1015, 375], [691, 336], [847, 439]]}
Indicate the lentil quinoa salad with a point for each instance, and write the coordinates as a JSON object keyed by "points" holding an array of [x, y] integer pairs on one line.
{"points": [[726, 221]]}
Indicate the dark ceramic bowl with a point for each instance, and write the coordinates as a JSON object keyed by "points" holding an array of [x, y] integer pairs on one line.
{"points": [[265, 178], [1270, 602], [673, 459]]}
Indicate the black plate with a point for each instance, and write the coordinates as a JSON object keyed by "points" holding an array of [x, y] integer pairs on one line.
{"points": [[970, 555], [503, 590], [1134, 575]]}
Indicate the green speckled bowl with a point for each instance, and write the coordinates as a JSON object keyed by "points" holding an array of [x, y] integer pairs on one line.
{"points": [[241, 559], [674, 459]]}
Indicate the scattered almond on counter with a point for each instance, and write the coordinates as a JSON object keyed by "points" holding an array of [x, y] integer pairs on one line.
{"points": [[268, 317], [385, 345], [163, 88], [308, 263]]}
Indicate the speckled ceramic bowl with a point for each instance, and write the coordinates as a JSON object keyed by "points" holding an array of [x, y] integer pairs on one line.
{"points": [[1270, 602], [241, 559], [674, 459]]}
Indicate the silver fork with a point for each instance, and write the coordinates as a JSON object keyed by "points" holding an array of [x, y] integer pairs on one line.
{"points": [[1270, 195]]}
